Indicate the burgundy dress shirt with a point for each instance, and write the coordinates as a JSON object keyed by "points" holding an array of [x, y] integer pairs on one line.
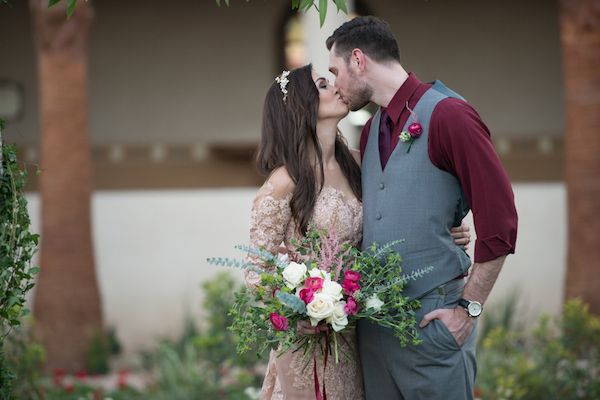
{"points": [[460, 144]]}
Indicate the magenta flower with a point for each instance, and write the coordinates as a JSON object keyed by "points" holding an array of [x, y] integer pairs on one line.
{"points": [[306, 295], [350, 286], [351, 308], [415, 129], [352, 276], [279, 322], [314, 283]]}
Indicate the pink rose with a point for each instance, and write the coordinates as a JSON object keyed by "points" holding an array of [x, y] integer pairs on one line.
{"points": [[352, 276], [315, 283], [350, 286], [351, 308], [415, 129], [306, 295], [252, 279], [279, 322]]}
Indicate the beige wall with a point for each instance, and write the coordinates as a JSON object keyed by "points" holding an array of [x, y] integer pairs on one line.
{"points": [[503, 56], [151, 249], [161, 72], [190, 72]]}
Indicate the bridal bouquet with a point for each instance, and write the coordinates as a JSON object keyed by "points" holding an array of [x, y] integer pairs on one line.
{"points": [[327, 282]]}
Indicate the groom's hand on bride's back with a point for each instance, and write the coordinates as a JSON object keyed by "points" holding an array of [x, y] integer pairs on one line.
{"points": [[461, 235]]}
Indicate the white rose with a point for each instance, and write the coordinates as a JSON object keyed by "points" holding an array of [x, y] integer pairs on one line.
{"points": [[374, 302], [283, 258], [332, 289], [319, 273], [320, 308], [294, 274], [338, 319]]}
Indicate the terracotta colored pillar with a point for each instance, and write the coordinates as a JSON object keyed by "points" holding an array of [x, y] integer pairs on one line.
{"points": [[67, 307], [580, 35]]}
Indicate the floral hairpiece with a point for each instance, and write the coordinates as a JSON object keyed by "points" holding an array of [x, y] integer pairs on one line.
{"points": [[283, 81]]}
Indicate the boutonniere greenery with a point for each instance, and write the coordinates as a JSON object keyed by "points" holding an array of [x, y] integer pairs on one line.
{"points": [[414, 130]]}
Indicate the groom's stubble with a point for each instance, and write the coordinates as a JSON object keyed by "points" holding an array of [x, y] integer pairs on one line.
{"points": [[358, 94]]}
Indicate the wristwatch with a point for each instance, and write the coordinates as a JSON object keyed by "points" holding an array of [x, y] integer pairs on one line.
{"points": [[473, 308]]}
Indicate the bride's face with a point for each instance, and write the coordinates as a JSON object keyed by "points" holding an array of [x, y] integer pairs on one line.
{"points": [[330, 101]]}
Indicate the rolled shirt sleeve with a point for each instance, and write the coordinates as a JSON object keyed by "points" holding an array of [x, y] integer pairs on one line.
{"points": [[460, 144]]}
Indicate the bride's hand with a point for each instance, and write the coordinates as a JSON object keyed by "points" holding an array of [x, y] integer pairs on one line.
{"points": [[305, 328], [461, 235]]}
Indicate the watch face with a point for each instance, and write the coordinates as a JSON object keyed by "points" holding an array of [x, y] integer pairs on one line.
{"points": [[474, 309]]}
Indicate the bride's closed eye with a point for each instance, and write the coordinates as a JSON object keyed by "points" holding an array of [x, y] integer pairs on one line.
{"points": [[322, 83]]}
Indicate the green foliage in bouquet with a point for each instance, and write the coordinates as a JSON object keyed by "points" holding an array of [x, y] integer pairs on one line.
{"points": [[266, 315], [560, 360], [383, 269]]}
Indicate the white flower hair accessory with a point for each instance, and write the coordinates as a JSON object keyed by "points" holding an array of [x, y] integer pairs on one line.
{"points": [[283, 81]]}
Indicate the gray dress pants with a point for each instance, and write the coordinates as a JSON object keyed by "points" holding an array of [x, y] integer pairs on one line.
{"points": [[438, 368]]}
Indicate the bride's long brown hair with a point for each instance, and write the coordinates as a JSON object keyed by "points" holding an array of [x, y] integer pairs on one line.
{"points": [[289, 132]]}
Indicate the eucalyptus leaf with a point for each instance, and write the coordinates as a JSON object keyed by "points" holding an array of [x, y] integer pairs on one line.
{"points": [[292, 302]]}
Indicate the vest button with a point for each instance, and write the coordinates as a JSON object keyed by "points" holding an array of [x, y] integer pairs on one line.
{"points": [[381, 186], [378, 216]]}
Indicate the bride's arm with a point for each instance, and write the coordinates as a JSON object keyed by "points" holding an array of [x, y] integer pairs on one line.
{"points": [[269, 218]]}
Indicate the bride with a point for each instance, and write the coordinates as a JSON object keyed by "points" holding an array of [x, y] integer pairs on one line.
{"points": [[313, 179]]}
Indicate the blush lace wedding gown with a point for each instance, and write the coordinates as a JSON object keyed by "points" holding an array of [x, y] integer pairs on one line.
{"points": [[290, 376]]}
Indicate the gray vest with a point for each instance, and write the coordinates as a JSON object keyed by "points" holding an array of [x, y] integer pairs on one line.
{"points": [[414, 201]]}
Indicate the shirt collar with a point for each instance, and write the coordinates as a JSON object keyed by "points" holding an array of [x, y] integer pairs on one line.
{"points": [[403, 95]]}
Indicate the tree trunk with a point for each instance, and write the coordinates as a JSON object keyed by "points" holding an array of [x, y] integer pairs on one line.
{"points": [[67, 306], [580, 34]]}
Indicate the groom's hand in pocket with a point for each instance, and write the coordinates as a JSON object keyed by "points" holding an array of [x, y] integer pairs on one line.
{"points": [[456, 320]]}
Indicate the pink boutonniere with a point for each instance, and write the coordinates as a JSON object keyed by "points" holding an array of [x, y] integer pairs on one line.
{"points": [[414, 130]]}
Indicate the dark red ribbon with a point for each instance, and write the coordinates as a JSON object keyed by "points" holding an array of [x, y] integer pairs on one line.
{"points": [[318, 395]]}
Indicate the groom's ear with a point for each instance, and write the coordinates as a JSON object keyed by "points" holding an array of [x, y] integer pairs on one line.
{"points": [[358, 60]]}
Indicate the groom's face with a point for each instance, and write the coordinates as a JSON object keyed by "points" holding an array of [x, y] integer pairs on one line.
{"points": [[354, 91]]}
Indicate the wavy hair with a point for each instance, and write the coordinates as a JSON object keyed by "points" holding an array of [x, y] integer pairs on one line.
{"points": [[289, 132]]}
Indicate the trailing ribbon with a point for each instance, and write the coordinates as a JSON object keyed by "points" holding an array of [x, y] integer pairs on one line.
{"points": [[318, 395]]}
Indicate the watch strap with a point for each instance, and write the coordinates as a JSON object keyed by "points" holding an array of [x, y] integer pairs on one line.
{"points": [[464, 303]]}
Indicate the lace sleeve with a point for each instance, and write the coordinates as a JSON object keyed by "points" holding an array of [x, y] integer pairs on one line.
{"points": [[269, 220]]}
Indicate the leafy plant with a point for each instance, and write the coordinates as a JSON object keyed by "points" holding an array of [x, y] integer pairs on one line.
{"points": [[24, 359], [559, 360], [17, 247], [203, 363]]}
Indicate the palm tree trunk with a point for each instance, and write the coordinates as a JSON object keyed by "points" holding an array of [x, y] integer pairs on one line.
{"points": [[580, 34], [67, 306]]}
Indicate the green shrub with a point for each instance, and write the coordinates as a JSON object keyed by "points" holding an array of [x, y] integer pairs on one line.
{"points": [[559, 360]]}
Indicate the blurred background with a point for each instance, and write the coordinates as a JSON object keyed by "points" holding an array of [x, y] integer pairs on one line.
{"points": [[152, 111]]}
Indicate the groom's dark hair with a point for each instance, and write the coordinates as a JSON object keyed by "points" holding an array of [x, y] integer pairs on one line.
{"points": [[370, 34]]}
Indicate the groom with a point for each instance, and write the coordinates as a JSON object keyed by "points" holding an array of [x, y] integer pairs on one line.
{"points": [[427, 158]]}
